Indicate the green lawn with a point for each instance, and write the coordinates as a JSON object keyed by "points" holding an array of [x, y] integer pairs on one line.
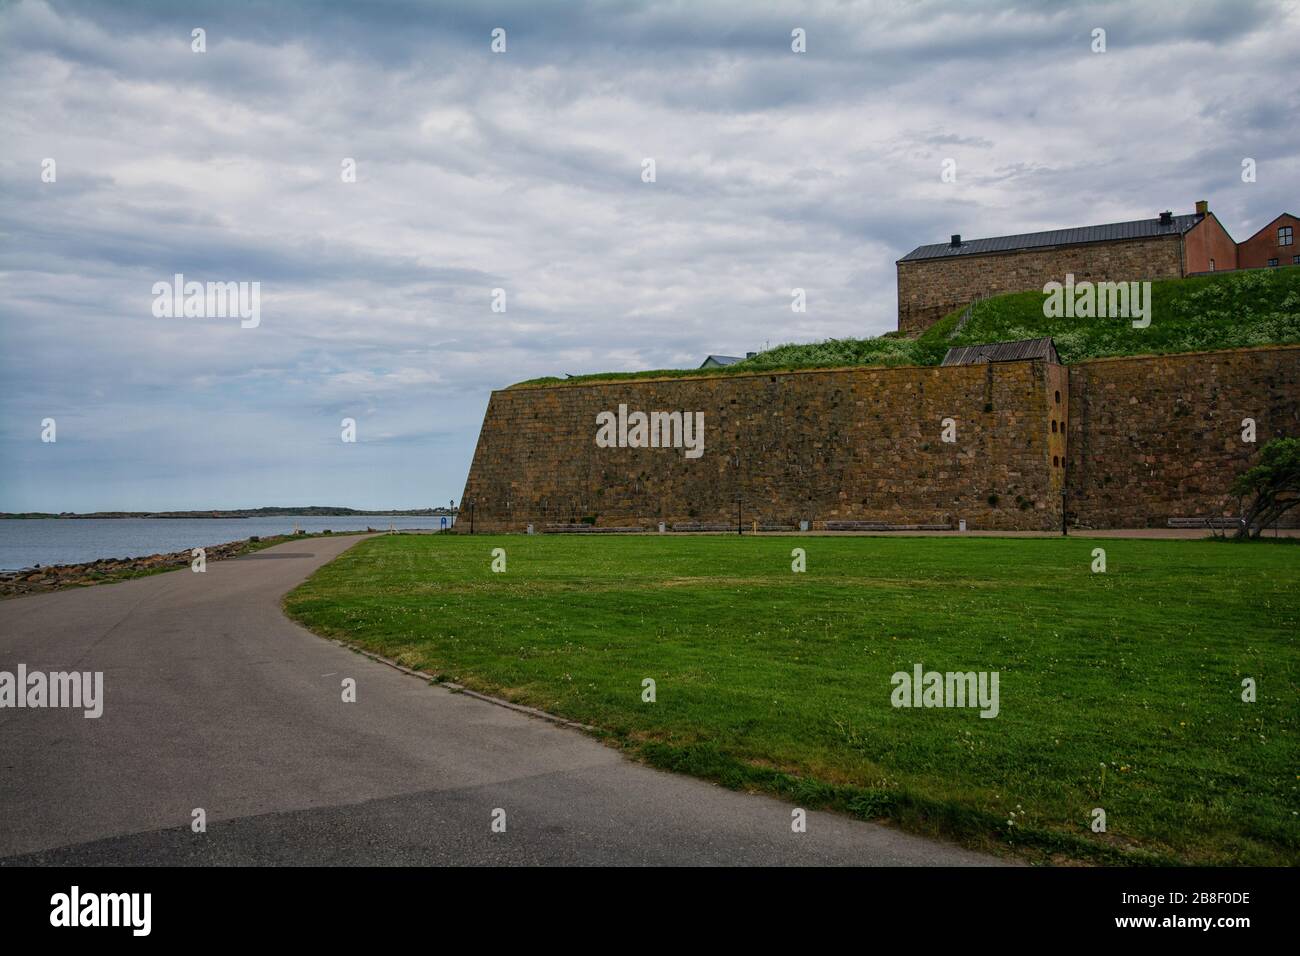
{"points": [[772, 680]]}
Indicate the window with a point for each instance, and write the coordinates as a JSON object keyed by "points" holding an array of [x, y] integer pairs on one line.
{"points": [[1284, 235], [1295, 260], [1272, 262], [1211, 265]]}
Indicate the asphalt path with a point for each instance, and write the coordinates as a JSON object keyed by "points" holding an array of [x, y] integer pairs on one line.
{"points": [[214, 700]]}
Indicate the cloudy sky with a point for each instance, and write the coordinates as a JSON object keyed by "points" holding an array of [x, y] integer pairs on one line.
{"points": [[522, 171]]}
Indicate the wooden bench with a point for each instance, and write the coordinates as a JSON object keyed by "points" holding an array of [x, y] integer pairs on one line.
{"points": [[1205, 522], [883, 526], [588, 529]]}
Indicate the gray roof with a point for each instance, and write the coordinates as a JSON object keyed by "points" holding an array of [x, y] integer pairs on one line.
{"points": [[721, 360], [1138, 229], [1022, 351]]}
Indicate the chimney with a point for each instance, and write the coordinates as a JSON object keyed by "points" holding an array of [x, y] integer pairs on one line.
{"points": [[1202, 208], [956, 240], [1166, 218]]}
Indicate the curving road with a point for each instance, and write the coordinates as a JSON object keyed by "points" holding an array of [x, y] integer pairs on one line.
{"points": [[215, 700]]}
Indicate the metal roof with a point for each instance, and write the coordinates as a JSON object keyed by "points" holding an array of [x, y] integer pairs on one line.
{"points": [[1138, 229], [1023, 351], [721, 360]]}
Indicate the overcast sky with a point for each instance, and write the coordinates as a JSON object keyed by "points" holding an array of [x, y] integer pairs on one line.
{"points": [[523, 171]]}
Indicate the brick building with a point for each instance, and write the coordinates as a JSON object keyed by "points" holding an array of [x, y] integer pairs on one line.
{"points": [[933, 280], [1274, 245]]}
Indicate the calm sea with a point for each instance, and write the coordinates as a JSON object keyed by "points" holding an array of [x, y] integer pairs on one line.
{"points": [[25, 543]]}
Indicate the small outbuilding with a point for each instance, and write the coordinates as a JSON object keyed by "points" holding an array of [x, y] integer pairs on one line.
{"points": [[1026, 350], [718, 361]]}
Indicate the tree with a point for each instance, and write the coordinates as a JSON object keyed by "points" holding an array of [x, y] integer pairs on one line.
{"points": [[1273, 484]]}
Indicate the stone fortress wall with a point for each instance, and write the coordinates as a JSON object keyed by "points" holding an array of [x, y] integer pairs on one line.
{"points": [[1132, 442]]}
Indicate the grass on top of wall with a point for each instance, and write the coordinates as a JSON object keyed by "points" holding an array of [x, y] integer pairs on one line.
{"points": [[1120, 690], [1202, 313]]}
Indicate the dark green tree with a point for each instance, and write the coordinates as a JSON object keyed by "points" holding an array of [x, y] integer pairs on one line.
{"points": [[1272, 484]]}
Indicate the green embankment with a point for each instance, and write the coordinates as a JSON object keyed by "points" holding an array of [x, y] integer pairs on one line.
{"points": [[1229, 310]]}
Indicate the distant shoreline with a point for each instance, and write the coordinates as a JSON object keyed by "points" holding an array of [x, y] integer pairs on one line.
{"points": [[310, 512]]}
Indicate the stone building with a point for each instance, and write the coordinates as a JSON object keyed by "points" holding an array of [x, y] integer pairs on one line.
{"points": [[933, 280]]}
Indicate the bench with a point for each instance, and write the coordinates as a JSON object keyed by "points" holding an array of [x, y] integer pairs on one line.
{"points": [[882, 526], [1205, 522], [588, 529]]}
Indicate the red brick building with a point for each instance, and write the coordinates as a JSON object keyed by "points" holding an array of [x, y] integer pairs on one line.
{"points": [[1208, 248], [1274, 245], [934, 280]]}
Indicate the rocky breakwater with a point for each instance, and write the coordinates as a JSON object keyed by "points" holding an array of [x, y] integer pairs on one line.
{"points": [[56, 577]]}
